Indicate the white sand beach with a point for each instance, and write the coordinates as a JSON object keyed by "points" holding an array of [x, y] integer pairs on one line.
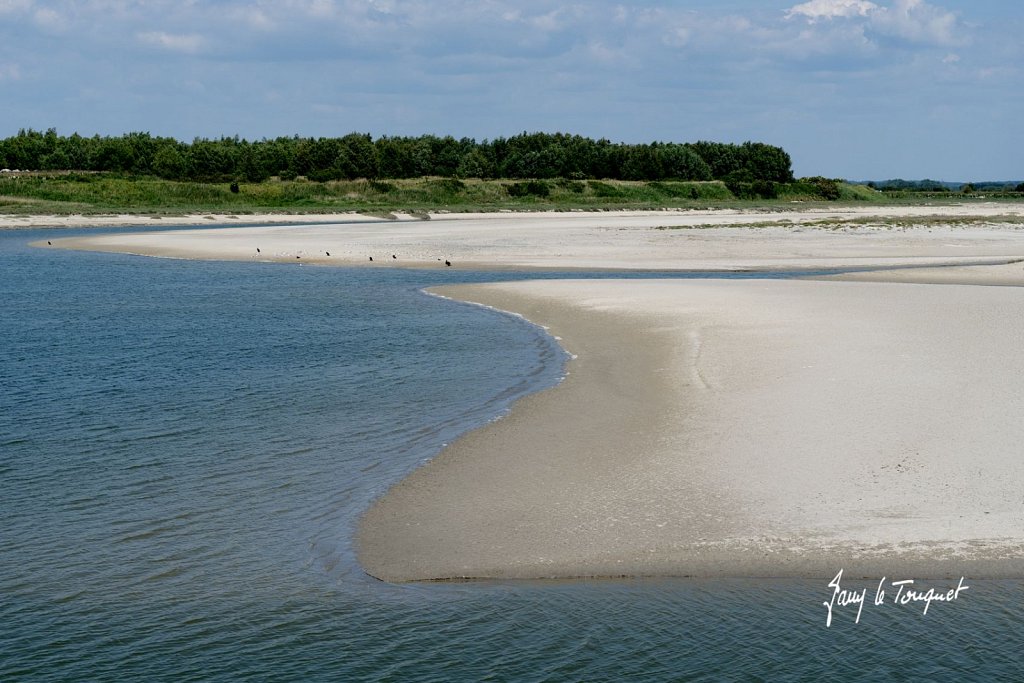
{"points": [[130, 220], [735, 428], [867, 421], [629, 240]]}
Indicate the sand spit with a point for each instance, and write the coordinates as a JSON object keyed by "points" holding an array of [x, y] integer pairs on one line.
{"points": [[735, 428], [1004, 275], [714, 427], [628, 240], [127, 220]]}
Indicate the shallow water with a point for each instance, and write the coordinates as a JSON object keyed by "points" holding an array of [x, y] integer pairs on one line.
{"points": [[185, 448]]}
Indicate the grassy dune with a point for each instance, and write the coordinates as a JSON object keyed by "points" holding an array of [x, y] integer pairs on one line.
{"points": [[96, 194]]}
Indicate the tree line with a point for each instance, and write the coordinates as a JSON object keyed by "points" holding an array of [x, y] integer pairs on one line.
{"points": [[358, 155], [933, 186]]}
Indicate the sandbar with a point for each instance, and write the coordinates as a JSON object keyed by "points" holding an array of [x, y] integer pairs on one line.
{"points": [[734, 429], [867, 421], [844, 237]]}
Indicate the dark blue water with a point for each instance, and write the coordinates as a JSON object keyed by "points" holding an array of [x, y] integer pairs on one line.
{"points": [[185, 448]]}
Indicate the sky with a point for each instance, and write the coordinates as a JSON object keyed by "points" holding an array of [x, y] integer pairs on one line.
{"points": [[858, 89]]}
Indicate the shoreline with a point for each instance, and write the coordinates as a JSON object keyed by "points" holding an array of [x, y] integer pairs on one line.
{"points": [[638, 241], [625, 470], [697, 411], [780, 211], [198, 220]]}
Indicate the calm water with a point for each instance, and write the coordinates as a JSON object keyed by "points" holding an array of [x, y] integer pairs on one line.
{"points": [[185, 449]]}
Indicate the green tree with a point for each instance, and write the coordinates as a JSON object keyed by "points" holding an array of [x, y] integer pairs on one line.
{"points": [[168, 163], [722, 159], [682, 163], [766, 162], [251, 164], [56, 160], [357, 157], [112, 155], [475, 165], [395, 158], [642, 162]]}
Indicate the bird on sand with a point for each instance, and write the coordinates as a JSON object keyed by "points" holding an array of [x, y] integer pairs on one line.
{"points": [[447, 263], [371, 258], [257, 250]]}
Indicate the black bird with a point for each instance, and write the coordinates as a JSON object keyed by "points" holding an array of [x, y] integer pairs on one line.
{"points": [[371, 258], [447, 263], [257, 250], [298, 257], [49, 242], [393, 256], [328, 253]]}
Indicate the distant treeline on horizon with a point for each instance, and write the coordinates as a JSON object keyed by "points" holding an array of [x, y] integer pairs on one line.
{"points": [[928, 185], [357, 155]]}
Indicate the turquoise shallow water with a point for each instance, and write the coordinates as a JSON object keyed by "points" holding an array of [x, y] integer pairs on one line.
{"points": [[185, 448]]}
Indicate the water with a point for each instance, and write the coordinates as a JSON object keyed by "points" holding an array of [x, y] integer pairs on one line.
{"points": [[185, 448]]}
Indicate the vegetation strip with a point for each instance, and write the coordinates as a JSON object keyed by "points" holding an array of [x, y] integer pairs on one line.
{"points": [[44, 173]]}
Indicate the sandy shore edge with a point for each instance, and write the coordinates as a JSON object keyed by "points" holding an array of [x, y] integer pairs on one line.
{"points": [[698, 412], [673, 448], [658, 241]]}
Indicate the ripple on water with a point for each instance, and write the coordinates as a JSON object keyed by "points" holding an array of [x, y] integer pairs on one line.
{"points": [[182, 463]]}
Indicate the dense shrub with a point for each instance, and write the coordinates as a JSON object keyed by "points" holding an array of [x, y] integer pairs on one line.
{"points": [[826, 188]]}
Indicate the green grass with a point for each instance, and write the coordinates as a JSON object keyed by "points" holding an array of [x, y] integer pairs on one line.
{"points": [[72, 193]]}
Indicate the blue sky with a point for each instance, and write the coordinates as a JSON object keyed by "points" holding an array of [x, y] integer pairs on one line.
{"points": [[851, 88]]}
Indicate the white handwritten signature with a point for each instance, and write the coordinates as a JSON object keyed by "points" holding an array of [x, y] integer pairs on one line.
{"points": [[842, 597]]}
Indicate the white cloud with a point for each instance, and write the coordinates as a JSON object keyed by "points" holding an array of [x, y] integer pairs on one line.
{"points": [[188, 43], [919, 22], [49, 19], [254, 17], [546, 22], [913, 21], [831, 9], [707, 34], [679, 36], [602, 54], [383, 6]]}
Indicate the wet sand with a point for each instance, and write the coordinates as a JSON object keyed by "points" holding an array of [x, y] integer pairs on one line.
{"points": [[735, 428], [713, 427]]}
